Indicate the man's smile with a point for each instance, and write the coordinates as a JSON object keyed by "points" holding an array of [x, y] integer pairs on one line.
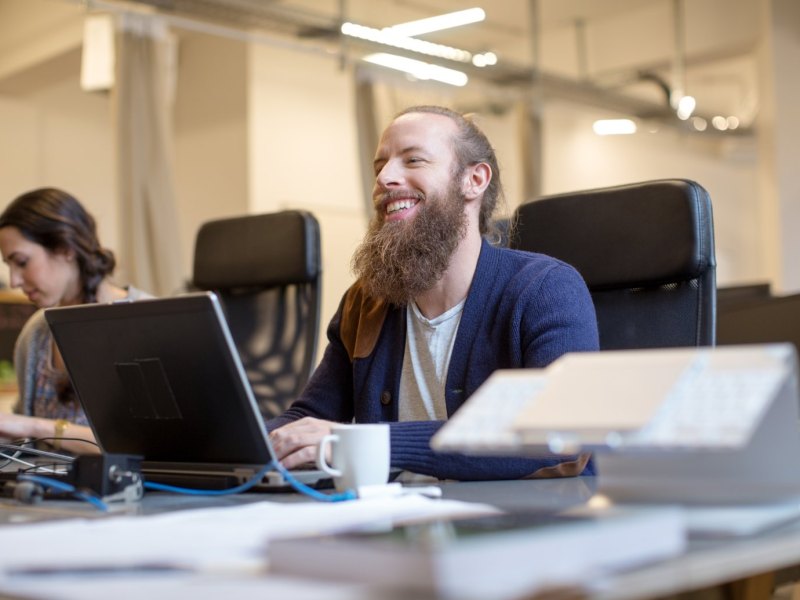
{"points": [[398, 205]]}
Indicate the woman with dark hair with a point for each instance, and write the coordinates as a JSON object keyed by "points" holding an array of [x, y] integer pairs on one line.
{"points": [[50, 245]]}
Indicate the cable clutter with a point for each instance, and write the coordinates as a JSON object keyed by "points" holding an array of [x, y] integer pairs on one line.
{"points": [[102, 478], [96, 479]]}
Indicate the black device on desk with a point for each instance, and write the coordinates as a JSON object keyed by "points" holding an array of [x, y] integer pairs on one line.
{"points": [[161, 378], [106, 477]]}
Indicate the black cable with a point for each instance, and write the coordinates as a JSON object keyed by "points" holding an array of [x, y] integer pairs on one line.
{"points": [[23, 447], [65, 439]]}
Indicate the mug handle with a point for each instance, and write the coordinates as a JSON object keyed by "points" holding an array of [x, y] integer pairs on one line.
{"points": [[322, 450]]}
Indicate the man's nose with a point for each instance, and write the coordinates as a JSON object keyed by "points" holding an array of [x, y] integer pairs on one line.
{"points": [[389, 175]]}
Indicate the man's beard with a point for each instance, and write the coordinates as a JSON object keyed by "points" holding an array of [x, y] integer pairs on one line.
{"points": [[398, 260]]}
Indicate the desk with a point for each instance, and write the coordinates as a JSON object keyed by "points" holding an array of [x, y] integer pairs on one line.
{"points": [[706, 564], [750, 563]]}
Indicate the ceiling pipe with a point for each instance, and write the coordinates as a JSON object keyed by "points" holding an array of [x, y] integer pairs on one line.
{"points": [[582, 49], [342, 38], [679, 64], [659, 81]]}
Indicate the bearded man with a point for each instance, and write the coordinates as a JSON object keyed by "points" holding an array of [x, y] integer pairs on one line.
{"points": [[436, 308]]}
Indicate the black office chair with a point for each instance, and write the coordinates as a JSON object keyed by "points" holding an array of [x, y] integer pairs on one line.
{"points": [[646, 251], [267, 271]]}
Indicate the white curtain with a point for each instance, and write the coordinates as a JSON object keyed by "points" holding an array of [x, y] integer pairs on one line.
{"points": [[150, 252]]}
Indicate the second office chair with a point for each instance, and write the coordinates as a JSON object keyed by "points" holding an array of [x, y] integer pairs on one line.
{"points": [[266, 268]]}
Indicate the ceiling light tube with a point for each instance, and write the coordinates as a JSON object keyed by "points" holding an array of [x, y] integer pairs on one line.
{"points": [[439, 22], [389, 38], [419, 69]]}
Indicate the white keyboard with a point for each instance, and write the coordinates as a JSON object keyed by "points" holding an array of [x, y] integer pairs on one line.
{"points": [[484, 422], [715, 400], [709, 407]]}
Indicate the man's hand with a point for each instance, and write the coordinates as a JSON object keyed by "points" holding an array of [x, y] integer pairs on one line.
{"points": [[296, 443]]}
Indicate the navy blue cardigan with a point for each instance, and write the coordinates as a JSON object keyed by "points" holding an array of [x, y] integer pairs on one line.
{"points": [[522, 310]]}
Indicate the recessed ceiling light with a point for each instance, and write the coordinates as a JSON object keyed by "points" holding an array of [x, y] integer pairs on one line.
{"points": [[614, 127]]}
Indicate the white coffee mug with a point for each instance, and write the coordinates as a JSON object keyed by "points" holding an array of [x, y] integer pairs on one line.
{"points": [[359, 455]]}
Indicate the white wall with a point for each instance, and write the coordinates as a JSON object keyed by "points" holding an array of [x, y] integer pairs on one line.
{"points": [[779, 131], [35, 31], [54, 134], [211, 134], [304, 153], [575, 158]]}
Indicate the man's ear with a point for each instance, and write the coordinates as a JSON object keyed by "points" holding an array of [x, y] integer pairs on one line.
{"points": [[476, 180]]}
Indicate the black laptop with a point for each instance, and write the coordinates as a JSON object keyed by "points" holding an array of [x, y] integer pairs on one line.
{"points": [[162, 379]]}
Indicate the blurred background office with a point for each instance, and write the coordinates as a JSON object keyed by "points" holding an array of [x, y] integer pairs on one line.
{"points": [[163, 114]]}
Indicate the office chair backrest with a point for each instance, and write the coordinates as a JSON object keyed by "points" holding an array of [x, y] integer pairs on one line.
{"points": [[646, 252], [266, 269]]}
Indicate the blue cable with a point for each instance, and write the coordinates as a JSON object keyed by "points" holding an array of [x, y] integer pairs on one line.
{"points": [[296, 485], [151, 485], [311, 492], [64, 487], [163, 487]]}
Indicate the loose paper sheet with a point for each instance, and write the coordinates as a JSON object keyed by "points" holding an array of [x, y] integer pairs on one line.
{"points": [[204, 540]]}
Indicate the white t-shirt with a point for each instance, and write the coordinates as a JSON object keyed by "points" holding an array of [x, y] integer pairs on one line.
{"points": [[429, 344]]}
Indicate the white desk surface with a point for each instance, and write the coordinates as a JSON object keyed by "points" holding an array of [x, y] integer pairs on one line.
{"points": [[707, 563]]}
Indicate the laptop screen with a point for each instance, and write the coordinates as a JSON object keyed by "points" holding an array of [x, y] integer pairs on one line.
{"points": [[161, 378]]}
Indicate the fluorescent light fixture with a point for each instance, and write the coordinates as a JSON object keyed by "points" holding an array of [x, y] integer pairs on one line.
{"points": [[406, 43], [446, 21], [485, 59], [97, 58], [686, 106], [720, 122], [614, 127], [418, 68]]}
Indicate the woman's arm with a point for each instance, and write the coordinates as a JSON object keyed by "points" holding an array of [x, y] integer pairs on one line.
{"points": [[56, 432]]}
